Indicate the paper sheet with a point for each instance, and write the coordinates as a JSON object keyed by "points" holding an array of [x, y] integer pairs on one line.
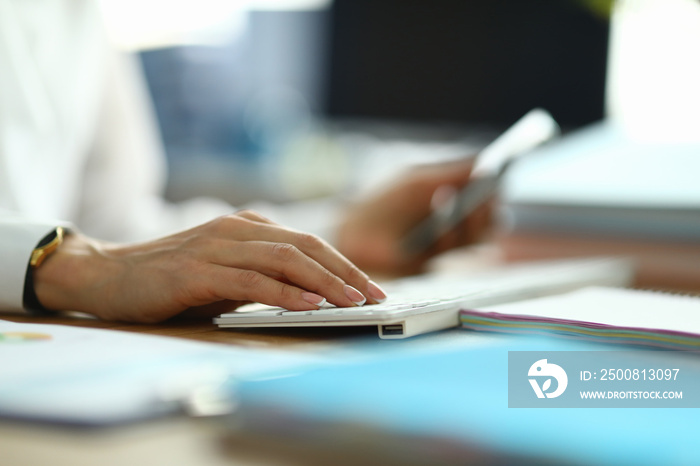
{"points": [[90, 376]]}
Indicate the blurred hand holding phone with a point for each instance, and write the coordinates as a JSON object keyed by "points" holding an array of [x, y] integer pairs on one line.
{"points": [[532, 130]]}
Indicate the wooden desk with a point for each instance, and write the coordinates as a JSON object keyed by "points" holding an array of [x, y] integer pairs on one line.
{"points": [[661, 265]]}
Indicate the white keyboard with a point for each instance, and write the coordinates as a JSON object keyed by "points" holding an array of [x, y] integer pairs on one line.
{"points": [[432, 302]]}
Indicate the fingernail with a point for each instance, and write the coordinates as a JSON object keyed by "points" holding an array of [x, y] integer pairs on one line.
{"points": [[375, 292], [355, 296], [313, 298]]}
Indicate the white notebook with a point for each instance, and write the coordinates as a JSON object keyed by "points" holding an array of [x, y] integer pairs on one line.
{"points": [[607, 314]]}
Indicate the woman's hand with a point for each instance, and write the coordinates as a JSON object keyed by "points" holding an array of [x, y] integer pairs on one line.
{"points": [[210, 269], [372, 232]]}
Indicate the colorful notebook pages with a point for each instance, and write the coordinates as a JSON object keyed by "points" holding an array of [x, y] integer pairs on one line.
{"points": [[608, 315]]}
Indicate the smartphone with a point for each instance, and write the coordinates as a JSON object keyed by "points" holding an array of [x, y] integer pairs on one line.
{"points": [[530, 131]]}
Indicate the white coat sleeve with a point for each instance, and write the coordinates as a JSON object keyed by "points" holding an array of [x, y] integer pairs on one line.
{"points": [[125, 177]]}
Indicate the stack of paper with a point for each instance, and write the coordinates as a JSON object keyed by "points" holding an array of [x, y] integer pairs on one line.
{"points": [[606, 314], [599, 182], [598, 192]]}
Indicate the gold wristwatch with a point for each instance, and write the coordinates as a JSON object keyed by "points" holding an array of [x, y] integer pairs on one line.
{"points": [[46, 247]]}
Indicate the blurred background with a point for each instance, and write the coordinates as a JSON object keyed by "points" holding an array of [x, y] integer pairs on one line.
{"points": [[285, 100], [279, 88]]}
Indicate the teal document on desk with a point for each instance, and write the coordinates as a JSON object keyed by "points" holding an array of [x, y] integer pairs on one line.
{"points": [[83, 376], [454, 407]]}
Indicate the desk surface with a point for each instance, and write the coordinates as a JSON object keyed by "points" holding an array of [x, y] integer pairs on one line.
{"points": [[205, 330]]}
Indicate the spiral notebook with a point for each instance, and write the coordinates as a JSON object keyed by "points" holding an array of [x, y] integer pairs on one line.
{"points": [[609, 315]]}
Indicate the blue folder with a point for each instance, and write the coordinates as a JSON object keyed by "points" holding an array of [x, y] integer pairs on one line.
{"points": [[461, 397]]}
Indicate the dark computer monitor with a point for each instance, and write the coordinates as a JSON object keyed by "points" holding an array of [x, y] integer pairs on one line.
{"points": [[466, 61]]}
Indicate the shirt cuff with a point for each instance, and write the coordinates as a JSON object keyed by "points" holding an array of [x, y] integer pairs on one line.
{"points": [[19, 238]]}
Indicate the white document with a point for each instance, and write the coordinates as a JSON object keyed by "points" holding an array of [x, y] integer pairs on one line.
{"points": [[87, 376]]}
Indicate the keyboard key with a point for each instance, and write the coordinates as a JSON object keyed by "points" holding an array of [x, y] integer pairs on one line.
{"points": [[267, 313], [298, 313]]}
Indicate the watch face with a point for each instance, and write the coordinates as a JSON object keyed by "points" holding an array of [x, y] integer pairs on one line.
{"points": [[50, 237], [46, 246]]}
